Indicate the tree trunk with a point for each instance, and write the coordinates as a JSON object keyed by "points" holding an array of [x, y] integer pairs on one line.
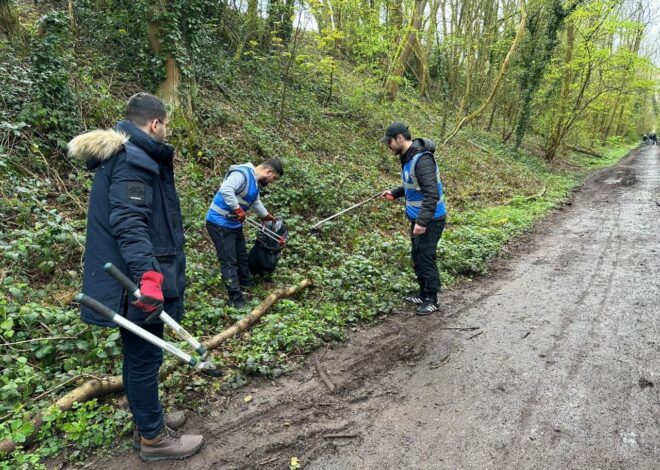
{"points": [[8, 21], [505, 64], [72, 16], [400, 62], [395, 19], [168, 90], [252, 20], [615, 108], [492, 117]]}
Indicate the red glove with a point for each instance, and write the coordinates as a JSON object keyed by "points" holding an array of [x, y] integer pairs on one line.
{"points": [[240, 214], [387, 194], [151, 293], [268, 217]]}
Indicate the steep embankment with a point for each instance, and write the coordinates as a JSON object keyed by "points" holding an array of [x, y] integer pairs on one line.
{"points": [[360, 264]]}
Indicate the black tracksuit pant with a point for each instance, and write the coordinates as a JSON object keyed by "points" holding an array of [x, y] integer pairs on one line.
{"points": [[423, 252], [233, 256]]}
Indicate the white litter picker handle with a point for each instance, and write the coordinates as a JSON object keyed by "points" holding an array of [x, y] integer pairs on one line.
{"points": [[133, 328], [266, 231]]}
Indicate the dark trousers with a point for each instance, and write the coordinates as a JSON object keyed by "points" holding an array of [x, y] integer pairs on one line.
{"points": [[423, 253], [142, 361], [233, 256]]}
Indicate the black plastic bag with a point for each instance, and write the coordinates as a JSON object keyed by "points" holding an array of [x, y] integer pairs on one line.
{"points": [[266, 252]]}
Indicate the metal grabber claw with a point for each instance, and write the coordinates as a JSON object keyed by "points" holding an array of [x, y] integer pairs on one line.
{"points": [[203, 364]]}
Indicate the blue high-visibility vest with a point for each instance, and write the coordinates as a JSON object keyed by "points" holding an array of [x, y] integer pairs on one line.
{"points": [[220, 213], [414, 195]]}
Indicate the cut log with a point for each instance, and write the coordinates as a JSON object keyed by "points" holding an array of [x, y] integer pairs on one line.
{"points": [[250, 319], [99, 387]]}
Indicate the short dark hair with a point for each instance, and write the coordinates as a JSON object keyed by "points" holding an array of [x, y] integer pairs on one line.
{"points": [[274, 164], [143, 108]]}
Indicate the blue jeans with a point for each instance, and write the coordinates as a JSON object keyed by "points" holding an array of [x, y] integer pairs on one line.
{"points": [[142, 361]]}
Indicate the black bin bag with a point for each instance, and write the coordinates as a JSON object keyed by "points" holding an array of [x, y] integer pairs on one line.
{"points": [[266, 252]]}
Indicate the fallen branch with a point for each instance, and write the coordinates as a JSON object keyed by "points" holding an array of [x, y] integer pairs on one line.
{"points": [[57, 387], [339, 114], [242, 325], [527, 198], [99, 387], [484, 150], [36, 340], [323, 376], [585, 151]]}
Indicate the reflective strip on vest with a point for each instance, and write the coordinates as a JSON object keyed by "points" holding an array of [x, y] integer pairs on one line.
{"points": [[413, 193], [219, 210]]}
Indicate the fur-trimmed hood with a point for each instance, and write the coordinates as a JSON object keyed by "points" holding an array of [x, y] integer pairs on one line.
{"points": [[96, 145]]}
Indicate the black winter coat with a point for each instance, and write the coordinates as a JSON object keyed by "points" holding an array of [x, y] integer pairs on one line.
{"points": [[134, 219]]}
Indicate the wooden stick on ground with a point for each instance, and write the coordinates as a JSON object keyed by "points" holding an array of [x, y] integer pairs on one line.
{"points": [[250, 319], [99, 387], [323, 376]]}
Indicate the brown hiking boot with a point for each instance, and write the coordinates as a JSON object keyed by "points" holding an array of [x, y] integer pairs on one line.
{"points": [[174, 421], [166, 447]]}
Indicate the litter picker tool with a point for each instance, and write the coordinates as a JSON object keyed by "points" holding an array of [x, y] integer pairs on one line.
{"points": [[354, 206], [266, 231], [205, 365]]}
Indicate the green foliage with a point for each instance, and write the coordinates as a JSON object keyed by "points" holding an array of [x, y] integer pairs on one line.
{"points": [[38, 240], [360, 263], [280, 22], [14, 84], [537, 48], [51, 105], [87, 426]]}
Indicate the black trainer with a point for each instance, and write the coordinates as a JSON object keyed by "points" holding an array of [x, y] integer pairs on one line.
{"points": [[237, 302], [413, 299], [429, 306]]}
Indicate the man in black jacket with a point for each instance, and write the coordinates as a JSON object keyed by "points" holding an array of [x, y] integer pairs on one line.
{"points": [[134, 221], [425, 208]]}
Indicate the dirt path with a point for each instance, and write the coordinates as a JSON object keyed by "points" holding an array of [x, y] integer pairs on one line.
{"points": [[562, 372]]}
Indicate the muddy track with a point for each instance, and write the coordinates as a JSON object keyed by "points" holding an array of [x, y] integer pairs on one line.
{"points": [[562, 372]]}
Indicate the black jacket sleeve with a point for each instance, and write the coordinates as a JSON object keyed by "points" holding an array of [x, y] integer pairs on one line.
{"points": [[131, 197], [398, 192], [425, 171]]}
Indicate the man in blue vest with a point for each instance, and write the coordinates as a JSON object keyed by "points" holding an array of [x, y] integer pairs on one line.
{"points": [[425, 208], [134, 221], [238, 194]]}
